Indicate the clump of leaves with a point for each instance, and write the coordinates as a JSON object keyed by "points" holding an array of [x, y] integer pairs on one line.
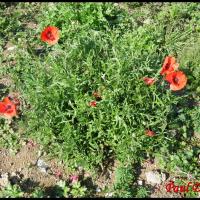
{"points": [[124, 179], [11, 191], [75, 190]]}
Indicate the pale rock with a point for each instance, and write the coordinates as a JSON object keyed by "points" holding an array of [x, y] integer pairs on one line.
{"points": [[42, 166], [13, 174], [109, 194], [140, 182], [147, 21], [11, 48], [98, 190], [4, 181], [163, 176], [153, 177]]}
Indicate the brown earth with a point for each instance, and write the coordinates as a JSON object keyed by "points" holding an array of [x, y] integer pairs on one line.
{"points": [[22, 167]]}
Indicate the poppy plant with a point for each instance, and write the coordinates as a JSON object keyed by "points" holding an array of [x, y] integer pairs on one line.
{"points": [[149, 81], [150, 133], [50, 35], [177, 80], [169, 65], [7, 108]]}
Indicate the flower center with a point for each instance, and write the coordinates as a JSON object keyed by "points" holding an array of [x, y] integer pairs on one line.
{"points": [[8, 107], [50, 36], [176, 80], [167, 66]]}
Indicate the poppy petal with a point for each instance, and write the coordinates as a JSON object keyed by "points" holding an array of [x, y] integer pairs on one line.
{"points": [[169, 65], [8, 108], [93, 104], [177, 80], [2, 107], [7, 100], [150, 133], [149, 81]]}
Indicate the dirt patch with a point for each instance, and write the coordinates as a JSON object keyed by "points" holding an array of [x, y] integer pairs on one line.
{"points": [[107, 177], [6, 81], [31, 25], [24, 166], [30, 168], [9, 49], [160, 190]]}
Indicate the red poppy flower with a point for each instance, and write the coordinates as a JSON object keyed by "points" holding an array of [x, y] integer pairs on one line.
{"points": [[177, 80], [50, 35], [169, 65], [150, 133], [7, 108], [93, 103], [149, 81]]}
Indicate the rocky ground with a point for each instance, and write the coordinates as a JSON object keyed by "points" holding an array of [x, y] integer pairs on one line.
{"points": [[29, 168]]}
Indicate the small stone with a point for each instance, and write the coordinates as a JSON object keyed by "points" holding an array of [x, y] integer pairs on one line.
{"points": [[13, 174], [98, 190], [140, 182], [11, 48], [153, 178], [20, 169], [80, 168], [39, 153], [43, 167], [109, 194], [147, 21], [23, 143], [4, 181], [163, 176], [87, 174], [190, 176]]}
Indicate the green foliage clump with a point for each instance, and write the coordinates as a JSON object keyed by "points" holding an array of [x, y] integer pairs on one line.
{"points": [[108, 48]]}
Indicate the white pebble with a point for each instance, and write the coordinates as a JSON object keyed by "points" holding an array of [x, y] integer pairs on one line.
{"points": [[140, 182], [153, 177], [98, 190]]}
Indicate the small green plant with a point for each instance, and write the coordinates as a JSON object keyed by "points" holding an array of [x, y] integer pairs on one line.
{"points": [[73, 190], [62, 189], [11, 191], [124, 179], [142, 192], [38, 193], [78, 190], [191, 194]]}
